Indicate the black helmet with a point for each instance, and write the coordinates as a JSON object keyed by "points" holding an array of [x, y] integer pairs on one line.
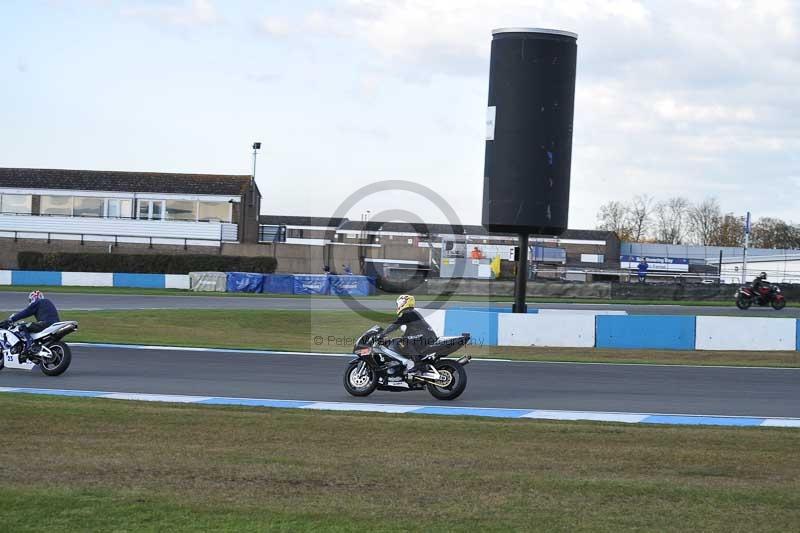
{"points": [[763, 275]]}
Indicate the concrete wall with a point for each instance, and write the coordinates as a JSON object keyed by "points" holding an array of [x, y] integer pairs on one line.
{"points": [[752, 334], [576, 330], [93, 279], [625, 332], [653, 332]]}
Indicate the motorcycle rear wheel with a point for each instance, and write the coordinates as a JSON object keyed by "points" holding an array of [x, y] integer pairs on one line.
{"points": [[743, 303], [62, 357], [457, 380], [356, 383], [778, 304]]}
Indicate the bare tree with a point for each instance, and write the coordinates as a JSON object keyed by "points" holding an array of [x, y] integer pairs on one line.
{"points": [[704, 220], [775, 233], [613, 216], [670, 220], [639, 217], [730, 231]]}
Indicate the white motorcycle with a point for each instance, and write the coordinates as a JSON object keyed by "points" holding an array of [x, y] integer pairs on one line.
{"points": [[47, 350]]}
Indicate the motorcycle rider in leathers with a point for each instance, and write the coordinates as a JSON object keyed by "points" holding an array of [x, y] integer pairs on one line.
{"points": [[417, 336], [760, 281], [46, 315]]}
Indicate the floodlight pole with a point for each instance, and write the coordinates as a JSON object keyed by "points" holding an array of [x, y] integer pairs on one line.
{"points": [[520, 286], [746, 246], [256, 148]]}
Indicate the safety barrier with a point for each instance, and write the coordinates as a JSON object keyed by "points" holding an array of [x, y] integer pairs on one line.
{"points": [[93, 279], [602, 329], [735, 333], [642, 331], [577, 331], [310, 284]]}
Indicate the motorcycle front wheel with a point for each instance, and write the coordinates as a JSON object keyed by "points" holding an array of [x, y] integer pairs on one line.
{"points": [[778, 304], [743, 302], [359, 379], [452, 383], [59, 362]]}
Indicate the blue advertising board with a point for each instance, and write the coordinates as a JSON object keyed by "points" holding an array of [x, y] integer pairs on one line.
{"points": [[671, 264], [311, 284]]}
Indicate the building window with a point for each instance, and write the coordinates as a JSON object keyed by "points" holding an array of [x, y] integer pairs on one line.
{"points": [[181, 210], [88, 207], [116, 208], [150, 210], [56, 205], [213, 211], [18, 204]]}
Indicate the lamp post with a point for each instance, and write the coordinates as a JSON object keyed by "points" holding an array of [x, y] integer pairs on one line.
{"points": [[256, 148], [364, 220]]}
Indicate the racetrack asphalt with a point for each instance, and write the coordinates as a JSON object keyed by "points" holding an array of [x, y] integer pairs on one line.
{"points": [[71, 301], [657, 389]]}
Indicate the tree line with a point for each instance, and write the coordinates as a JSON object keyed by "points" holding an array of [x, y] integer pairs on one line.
{"points": [[679, 221]]}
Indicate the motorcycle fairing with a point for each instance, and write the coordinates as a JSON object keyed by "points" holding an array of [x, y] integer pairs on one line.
{"points": [[54, 328]]}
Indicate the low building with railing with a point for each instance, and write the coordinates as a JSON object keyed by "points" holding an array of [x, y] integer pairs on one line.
{"points": [[128, 207]]}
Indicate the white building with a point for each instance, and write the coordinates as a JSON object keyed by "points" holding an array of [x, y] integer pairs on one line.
{"points": [[132, 207], [780, 268]]}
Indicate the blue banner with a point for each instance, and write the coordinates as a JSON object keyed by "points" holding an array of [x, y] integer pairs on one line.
{"points": [[352, 285], [244, 282], [278, 284], [311, 284]]}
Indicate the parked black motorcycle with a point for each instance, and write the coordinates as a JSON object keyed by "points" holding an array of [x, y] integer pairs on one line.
{"points": [[375, 368]]}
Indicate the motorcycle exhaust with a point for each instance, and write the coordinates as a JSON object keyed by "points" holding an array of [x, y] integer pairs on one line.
{"points": [[464, 360]]}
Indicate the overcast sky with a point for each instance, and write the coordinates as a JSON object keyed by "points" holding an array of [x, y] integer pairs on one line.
{"points": [[673, 98]]}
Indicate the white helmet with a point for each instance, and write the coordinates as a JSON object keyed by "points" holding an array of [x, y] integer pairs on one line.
{"points": [[35, 295]]}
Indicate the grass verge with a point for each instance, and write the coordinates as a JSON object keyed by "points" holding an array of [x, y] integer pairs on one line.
{"points": [[335, 332], [422, 297], [124, 466]]}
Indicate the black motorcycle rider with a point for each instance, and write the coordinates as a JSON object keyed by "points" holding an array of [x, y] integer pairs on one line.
{"points": [[758, 283], [46, 315], [418, 333]]}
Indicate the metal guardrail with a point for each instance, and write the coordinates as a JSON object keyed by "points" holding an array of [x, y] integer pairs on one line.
{"points": [[632, 275], [116, 237], [93, 217]]}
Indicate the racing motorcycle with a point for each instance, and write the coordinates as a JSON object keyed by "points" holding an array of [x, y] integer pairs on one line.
{"points": [[374, 367], [47, 350], [765, 295]]}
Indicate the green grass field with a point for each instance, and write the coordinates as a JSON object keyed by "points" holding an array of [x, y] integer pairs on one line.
{"points": [[74, 464], [335, 331], [422, 297]]}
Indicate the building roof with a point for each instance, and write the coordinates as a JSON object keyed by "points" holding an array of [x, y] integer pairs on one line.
{"points": [[346, 225], [116, 181], [290, 220], [447, 229], [411, 227]]}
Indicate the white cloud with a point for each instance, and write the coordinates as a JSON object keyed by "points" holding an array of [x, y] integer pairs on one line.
{"points": [[670, 109], [187, 13], [274, 26], [690, 97]]}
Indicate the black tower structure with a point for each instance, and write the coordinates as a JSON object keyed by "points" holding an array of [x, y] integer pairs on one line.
{"points": [[529, 137]]}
